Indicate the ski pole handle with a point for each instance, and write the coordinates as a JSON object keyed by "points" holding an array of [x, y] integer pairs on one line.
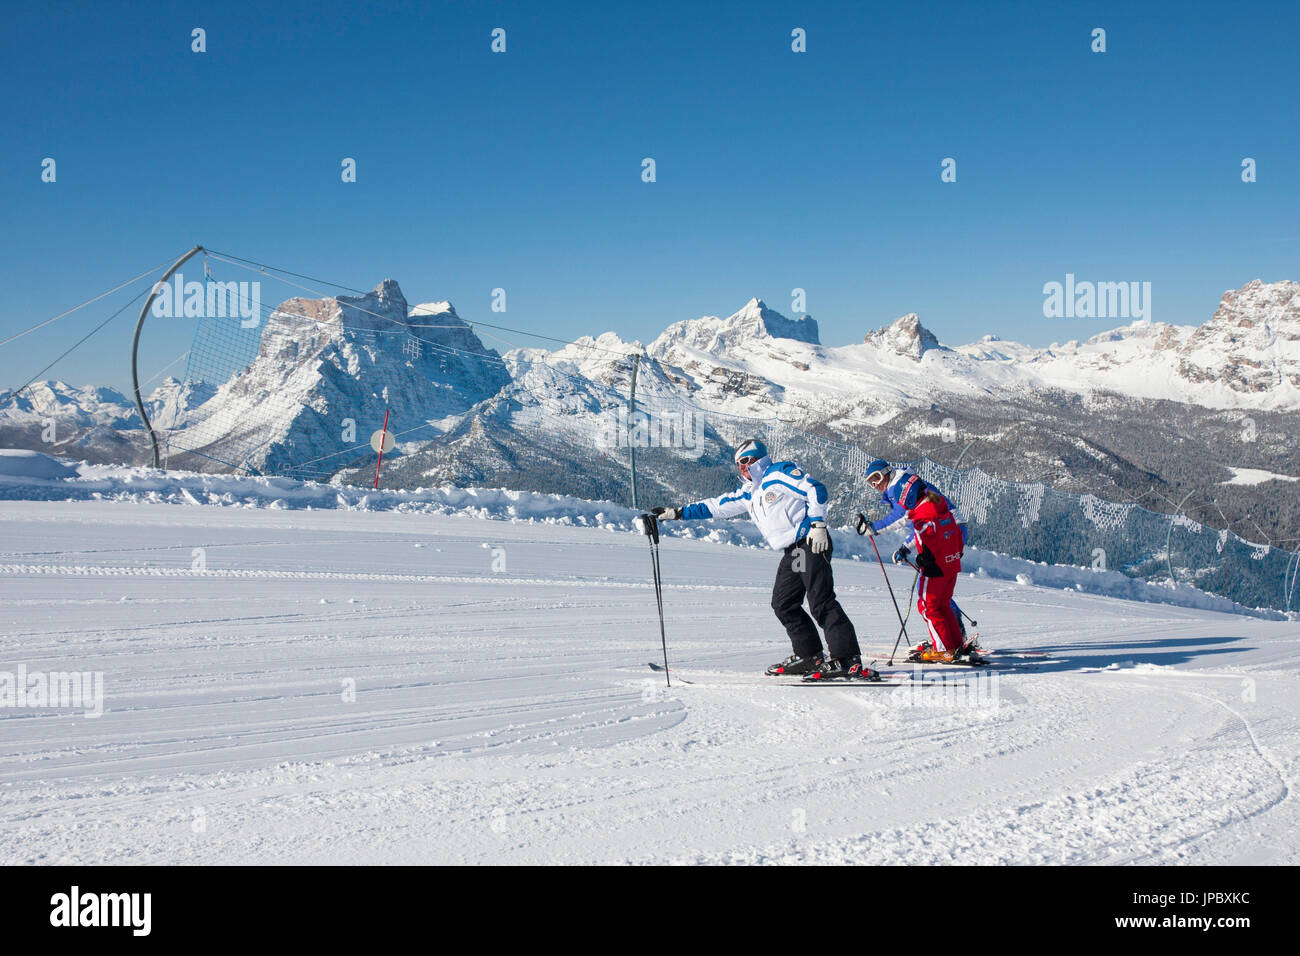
{"points": [[650, 527]]}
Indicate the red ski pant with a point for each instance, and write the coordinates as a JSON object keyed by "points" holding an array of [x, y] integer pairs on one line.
{"points": [[934, 601]]}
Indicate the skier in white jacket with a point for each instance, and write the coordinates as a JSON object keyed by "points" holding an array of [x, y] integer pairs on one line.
{"points": [[789, 507]]}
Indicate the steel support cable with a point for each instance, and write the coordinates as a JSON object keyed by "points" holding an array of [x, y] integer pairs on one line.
{"points": [[41, 325]]}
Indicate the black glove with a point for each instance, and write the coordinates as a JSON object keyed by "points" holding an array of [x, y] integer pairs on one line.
{"points": [[901, 555], [667, 514], [864, 526], [928, 565]]}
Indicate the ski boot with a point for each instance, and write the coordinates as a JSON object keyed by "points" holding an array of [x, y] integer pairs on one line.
{"points": [[846, 668], [794, 665], [926, 654]]}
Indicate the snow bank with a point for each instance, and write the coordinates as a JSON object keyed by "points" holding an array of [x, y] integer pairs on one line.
{"points": [[20, 464], [33, 476]]}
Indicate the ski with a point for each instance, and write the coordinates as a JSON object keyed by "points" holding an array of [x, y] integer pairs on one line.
{"points": [[887, 680], [973, 661], [982, 663], [895, 679], [986, 655], [895, 684], [672, 672]]}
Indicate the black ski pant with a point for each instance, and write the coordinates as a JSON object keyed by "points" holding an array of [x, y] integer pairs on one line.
{"points": [[803, 573]]}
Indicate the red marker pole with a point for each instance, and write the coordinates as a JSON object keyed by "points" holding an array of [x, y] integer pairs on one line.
{"points": [[383, 440]]}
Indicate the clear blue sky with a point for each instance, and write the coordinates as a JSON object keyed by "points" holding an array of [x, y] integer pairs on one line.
{"points": [[775, 170]]}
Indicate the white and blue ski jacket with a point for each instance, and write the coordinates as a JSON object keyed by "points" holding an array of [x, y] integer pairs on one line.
{"points": [[784, 502]]}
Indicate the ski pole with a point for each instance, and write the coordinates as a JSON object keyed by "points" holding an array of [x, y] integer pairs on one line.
{"points": [[903, 629], [897, 612], [902, 622], [650, 527]]}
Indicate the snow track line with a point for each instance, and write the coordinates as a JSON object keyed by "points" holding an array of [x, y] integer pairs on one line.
{"points": [[107, 571], [1263, 752], [65, 553], [343, 613], [1264, 755], [269, 574], [1167, 670]]}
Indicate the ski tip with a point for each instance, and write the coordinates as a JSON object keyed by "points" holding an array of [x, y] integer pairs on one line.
{"points": [[673, 673]]}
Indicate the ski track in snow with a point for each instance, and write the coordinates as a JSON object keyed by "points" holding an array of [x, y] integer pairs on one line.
{"points": [[505, 714]]}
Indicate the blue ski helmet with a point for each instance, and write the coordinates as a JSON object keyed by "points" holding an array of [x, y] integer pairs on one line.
{"points": [[877, 466], [751, 448]]}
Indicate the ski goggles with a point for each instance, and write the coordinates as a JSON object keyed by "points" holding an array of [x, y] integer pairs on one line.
{"points": [[877, 479]]}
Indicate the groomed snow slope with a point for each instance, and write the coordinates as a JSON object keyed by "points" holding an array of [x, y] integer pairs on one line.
{"points": [[503, 711]]}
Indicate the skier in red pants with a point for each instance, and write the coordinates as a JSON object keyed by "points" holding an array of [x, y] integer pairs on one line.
{"points": [[938, 557]]}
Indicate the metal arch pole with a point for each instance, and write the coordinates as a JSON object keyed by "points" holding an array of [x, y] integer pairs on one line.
{"points": [[1289, 579], [135, 348], [1169, 538]]}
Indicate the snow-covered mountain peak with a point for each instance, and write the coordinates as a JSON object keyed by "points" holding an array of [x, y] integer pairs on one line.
{"points": [[56, 399], [1246, 355], [757, 316], [323, 360], [906, 336], [607, 342], [595, 357], [1271, 308], [610, 340], [386, 298], [754, 325], [433, 308], [383, 309]]}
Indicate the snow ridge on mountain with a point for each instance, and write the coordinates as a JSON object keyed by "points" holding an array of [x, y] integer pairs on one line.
{"points": [[1246, 356], [906, 337], [754, 322]]}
